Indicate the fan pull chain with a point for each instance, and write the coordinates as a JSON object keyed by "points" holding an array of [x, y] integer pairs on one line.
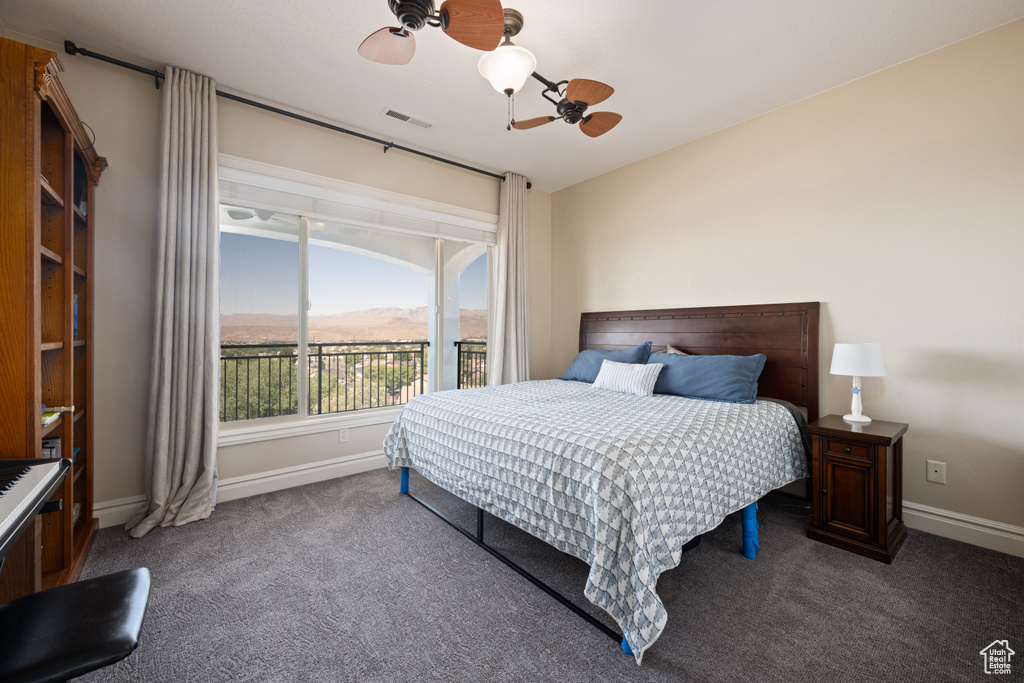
{"points": [[510, 108]]}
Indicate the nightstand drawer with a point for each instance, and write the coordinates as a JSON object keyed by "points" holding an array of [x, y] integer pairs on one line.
{"points": [[845, 448]]}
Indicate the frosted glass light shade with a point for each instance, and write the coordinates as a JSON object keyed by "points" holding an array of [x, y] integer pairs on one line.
{"points": [[858, 360], [507, 67]]}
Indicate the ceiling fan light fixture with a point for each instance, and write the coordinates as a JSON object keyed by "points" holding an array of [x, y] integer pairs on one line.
{"points": [[507, 67]]}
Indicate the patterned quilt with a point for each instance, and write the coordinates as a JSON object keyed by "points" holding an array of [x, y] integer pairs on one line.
{"points": [[621, 482]]}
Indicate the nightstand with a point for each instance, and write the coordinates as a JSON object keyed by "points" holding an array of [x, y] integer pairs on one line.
{"points": [[857, 486]]}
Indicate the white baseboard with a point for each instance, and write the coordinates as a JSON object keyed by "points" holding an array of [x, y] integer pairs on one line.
{"points": [[120, 510], [985, 533], [117, 511]]}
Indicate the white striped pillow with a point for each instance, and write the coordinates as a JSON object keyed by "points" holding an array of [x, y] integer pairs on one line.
{"points": [[628, 378]]}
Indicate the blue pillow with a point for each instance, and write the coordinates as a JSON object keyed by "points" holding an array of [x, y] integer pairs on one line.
{"points": [[587, 364], [720, 378]]}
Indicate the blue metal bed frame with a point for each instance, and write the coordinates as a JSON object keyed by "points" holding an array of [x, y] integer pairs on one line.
{"points": [[750, 547]]}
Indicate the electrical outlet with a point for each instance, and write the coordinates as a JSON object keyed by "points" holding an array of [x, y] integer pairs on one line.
{"points": [[342, 436], [936, 471]]}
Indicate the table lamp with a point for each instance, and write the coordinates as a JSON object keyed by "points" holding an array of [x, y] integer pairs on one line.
{"points": [[858, 360]]}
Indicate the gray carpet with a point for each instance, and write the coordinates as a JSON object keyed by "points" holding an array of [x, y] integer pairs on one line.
{"points": [[346, 580]]}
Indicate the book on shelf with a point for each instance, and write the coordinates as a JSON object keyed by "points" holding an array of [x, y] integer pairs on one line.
{"points": [[51, 448], [50, 417]]}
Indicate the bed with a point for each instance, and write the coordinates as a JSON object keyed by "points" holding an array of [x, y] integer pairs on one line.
{"points": [[625, 483]]}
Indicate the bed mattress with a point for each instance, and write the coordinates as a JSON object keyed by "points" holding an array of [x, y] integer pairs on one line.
{"points": [[619, 481]]}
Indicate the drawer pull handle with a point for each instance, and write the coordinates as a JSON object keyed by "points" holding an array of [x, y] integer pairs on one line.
{"points": [[846, 450]]}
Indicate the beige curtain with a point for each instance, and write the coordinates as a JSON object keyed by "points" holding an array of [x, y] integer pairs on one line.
{"points": [[181, 442], [508, 357]]}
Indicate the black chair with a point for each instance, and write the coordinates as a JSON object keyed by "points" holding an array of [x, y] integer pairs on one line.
{"points": [[68, 631]]}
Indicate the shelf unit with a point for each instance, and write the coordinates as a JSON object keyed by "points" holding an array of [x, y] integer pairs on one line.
{"points": [[47, 189]]}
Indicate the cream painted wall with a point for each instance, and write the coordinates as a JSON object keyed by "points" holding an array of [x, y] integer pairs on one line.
{"points": [[123, 107], [538, 206], [262, 136], [897, 201]]}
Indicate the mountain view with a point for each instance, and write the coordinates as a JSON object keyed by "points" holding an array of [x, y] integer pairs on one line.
{"points": [[373, 324]]}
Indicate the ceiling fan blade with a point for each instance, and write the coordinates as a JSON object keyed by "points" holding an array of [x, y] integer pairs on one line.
{"points": [[599, 123], [240, 214], [476, 23], [588, 92], [533, 123], [390, 45]]}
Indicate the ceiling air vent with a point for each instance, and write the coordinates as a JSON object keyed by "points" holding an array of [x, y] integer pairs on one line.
{"points": [[406, 118]]}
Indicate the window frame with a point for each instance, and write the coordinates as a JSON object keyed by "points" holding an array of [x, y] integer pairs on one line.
{"points": [[319, 197]]}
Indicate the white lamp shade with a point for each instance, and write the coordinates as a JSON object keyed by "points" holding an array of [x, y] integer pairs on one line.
{"points": [[858, 360], [507, 67]]}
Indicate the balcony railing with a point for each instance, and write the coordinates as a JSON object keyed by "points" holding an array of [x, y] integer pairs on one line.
{"points": [[261, 380], [472, 370]]}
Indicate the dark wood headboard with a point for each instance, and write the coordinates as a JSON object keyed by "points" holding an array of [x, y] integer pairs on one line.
{"points": [[786, 333]]}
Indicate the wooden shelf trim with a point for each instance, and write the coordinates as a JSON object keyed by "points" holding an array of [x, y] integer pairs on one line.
{"points": [[52, 427], [52, 579], [51, 346], [79, 216], [50, 195], [80, 272], [50, 255]]}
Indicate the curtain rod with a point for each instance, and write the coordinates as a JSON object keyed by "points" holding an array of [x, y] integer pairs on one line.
{"points": [[73, 49]]}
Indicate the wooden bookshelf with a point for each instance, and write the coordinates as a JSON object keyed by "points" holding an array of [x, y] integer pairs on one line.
{"points": [[49, 195], [48, 173]]}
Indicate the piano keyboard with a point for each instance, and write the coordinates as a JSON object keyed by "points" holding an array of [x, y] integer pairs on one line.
{"points": [[24, 489], [9, 477]]}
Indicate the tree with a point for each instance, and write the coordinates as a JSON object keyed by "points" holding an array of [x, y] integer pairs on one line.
{"points": [[394, 377], [254, 386]]}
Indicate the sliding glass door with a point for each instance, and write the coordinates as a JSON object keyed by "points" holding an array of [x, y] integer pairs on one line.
{"points": [[348, 316]]}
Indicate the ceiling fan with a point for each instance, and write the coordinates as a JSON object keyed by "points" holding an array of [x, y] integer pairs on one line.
{"points": [[575, 97], [476, 23], [263, 218], [508, 66], [482, 24], [248, 214]]}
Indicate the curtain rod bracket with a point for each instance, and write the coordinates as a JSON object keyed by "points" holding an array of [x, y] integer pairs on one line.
{"points": [[529, 185], [387, 146]]}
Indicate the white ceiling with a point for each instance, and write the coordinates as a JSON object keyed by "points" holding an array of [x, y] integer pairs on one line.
{"points": [[680, 68]]}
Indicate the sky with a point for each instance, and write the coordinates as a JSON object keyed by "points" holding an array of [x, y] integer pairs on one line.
{"points": [[261, 275]]}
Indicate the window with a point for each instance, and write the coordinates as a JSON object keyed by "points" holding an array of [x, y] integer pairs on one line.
{"points": [[466, 303], [369, 328], [338, 308], [259, 322]]}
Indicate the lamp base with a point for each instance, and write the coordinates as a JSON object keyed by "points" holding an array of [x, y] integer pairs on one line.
{"points": [[860, 419]]}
